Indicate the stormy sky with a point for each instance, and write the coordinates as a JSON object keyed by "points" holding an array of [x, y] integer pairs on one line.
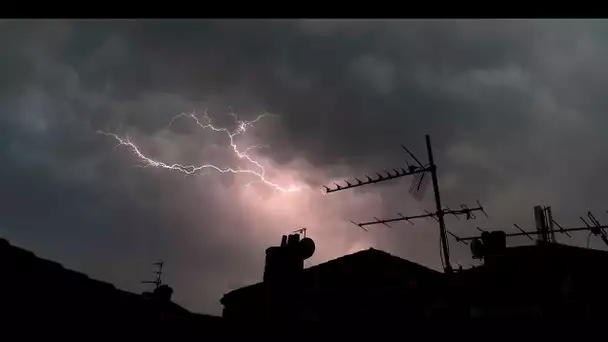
{"points": [[516, 111]]}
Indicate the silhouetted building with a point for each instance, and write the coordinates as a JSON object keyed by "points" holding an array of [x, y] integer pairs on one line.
{"points": [[546, 279], [34, 289], [161, 293], [366, 284]]}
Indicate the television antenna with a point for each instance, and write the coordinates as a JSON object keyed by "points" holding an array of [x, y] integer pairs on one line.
{"points": [[159, 272], [545, 228], [301, 231], [421, 174]]}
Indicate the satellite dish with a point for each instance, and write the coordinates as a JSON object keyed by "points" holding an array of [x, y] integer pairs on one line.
{"points": [[306, 248]]}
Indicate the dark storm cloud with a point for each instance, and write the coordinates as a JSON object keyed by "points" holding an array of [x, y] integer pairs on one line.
{"points": [[515, 110]]}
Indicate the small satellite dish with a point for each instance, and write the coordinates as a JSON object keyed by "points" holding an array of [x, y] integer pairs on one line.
{"points": [[306, 248]]}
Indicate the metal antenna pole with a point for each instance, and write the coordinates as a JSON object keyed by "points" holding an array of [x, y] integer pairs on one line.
{"points": [[439, 212], [417, 191], [158, 281]]}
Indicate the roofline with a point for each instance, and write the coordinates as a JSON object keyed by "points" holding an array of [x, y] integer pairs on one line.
{"points": [[234, 292]]}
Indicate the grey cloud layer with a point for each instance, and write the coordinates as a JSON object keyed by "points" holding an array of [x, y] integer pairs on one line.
{"points": [[515, 109]]}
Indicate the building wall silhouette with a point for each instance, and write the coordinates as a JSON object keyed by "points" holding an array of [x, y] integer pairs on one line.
{"points": [[34, 289], [366, 284], [545, 279], [542, 280]]}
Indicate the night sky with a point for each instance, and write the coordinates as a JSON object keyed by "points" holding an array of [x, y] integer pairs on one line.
{"points": [[516, 111]]}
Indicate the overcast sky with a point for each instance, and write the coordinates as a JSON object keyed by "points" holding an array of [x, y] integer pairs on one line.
{"points": [[516, 111]]}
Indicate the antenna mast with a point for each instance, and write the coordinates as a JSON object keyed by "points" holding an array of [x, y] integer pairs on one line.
{"points": [[439, 213], [301, 231], [158, 281], [417, 191]]}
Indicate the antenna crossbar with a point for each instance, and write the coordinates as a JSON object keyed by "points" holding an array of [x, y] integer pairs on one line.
{"points": [[389, 175], [400, 218], [465, 211]]}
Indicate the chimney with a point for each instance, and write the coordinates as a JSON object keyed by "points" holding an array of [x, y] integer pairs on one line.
{"points": [[293, 240], [162, 293], [284, 262]]}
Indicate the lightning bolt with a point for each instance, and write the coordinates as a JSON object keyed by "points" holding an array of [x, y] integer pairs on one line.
{"points": [[257, 170]]}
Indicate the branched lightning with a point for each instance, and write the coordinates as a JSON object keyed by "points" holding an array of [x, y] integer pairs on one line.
{"points": [[257, 171]]}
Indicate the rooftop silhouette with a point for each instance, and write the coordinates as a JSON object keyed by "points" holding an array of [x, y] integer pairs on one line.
{"points": [[545, 279], [37, 289]]}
